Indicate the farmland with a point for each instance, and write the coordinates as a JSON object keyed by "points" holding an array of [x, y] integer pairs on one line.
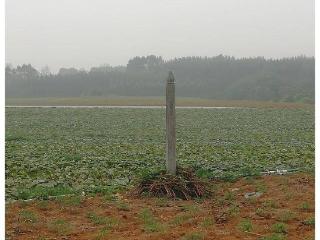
{"points": [[56, 151], [89, 158]]}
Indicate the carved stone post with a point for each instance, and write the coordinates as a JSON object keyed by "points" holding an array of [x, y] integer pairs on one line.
{"points": [[171, 125]]}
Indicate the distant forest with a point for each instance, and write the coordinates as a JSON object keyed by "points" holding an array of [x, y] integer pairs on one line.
{"points": [[220, 77]]}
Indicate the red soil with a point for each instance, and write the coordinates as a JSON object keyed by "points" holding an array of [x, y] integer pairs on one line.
{"points": [[288, 199]]}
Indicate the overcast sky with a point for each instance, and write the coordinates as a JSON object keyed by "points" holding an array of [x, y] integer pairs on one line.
{"points": [[86, 33]]}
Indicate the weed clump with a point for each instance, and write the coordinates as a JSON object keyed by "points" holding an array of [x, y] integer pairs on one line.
{"points": [[279, 228], [151, 224], [184, 185], [309, 222], [245, 225]]}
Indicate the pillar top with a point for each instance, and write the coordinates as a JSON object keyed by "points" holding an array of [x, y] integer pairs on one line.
{"points": [[170, 78]]}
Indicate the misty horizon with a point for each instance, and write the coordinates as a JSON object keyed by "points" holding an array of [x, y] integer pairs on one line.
{"points": [[220, 77], [165, 60], [83, 34]]}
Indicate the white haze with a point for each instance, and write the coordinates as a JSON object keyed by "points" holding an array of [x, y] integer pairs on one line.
{"points": [[86, 33]]}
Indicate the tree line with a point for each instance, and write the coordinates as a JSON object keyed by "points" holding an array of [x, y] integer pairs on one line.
{"points": [[220, 77]]}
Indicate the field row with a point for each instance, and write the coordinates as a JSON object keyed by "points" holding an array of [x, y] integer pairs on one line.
{"points": [[57, 151]]}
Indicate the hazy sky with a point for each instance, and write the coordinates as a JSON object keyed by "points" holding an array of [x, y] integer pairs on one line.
{"points": [[86, 33]]}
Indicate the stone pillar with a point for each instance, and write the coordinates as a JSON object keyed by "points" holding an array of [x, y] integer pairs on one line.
{"points": [[171, 125]]}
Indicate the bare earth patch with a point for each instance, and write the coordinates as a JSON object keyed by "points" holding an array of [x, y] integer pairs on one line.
{"points": [[284, 209]]}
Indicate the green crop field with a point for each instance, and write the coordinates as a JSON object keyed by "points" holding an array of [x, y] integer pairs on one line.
{"points": [[52, 151]]}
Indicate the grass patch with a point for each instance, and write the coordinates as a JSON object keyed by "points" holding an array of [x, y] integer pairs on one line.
{"points": [[289, 195], [245, 225], [102, 220], [229, 196], [193, 236], [123, 206], [305, 206], [309, 221], [27, 216], [227, 199], [252, 200], [23, 204], [274, 236], [309, 238], [279, 228], [60, 227], [102, 233], [233, 210], [286, 216], [109, 197], [270, 203], [97, 219], [261, 187], [226, 214], [150, 223], [192, 208], [181, 219], [207, 222], [262, 212], [43, 205], [162, 202]]}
